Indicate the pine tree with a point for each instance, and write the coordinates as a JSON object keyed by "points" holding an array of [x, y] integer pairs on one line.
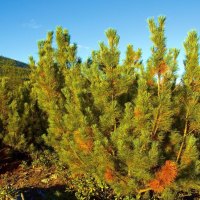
{"points": [[188, 153], [161, 70], [125, 125], [23, 121], [101, 126], [48, 75], [5, 99]]}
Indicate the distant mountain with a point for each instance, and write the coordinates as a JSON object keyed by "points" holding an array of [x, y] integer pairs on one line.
{"points": [[4, 61], [14, 71]]}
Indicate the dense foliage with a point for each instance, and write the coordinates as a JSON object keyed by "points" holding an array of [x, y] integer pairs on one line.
{"points": [[124, 129]]}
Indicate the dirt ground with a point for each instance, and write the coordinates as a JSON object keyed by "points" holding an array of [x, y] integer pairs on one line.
{"points": [[29, 181]]}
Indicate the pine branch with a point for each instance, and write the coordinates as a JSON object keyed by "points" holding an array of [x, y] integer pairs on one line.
{"points": [[144, 190], [183, 140], [155, 127], [159, 77]]}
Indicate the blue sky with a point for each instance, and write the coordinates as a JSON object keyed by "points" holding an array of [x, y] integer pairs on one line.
{"points": [[23, 23]]}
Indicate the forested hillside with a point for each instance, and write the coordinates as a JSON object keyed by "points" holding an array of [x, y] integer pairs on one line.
{"points": [[11, 62], [106, 129], [13, 70]]}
